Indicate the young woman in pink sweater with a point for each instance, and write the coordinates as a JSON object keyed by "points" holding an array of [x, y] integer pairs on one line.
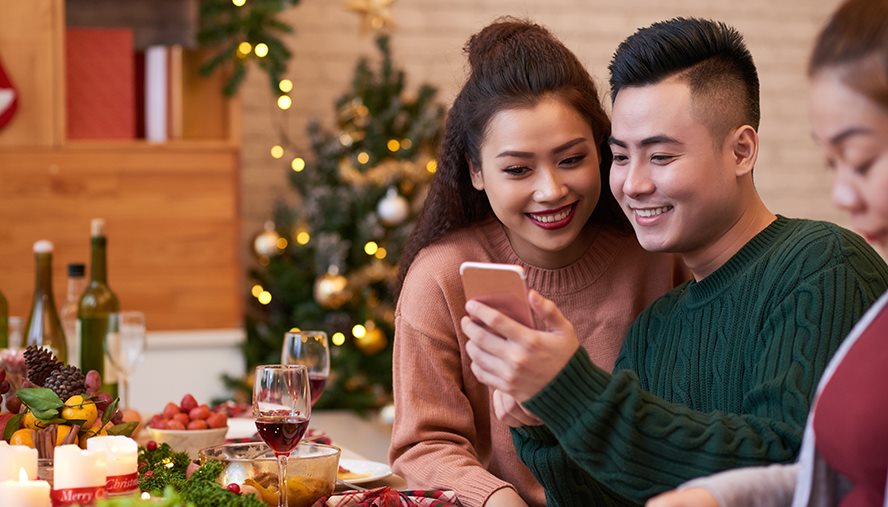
{"points": [[519, 181]]}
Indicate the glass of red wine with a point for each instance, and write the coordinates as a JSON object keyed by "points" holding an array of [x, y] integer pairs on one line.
{"points": [[282, 408], [312, 350]]}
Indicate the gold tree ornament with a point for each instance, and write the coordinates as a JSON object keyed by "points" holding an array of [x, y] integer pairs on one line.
{"points": [[375, 15], [266, 243], [331, 289], [373, 341]]}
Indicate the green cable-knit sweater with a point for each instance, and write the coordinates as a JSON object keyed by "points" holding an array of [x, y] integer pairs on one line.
{"points": [[716, 374]]}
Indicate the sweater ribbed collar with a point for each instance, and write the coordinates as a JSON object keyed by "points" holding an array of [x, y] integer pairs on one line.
{"points": [[572, 278], [699, 293]]}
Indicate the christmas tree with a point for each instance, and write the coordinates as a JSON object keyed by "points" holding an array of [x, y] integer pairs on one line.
{"points": [[239, 32], [330, 262]]}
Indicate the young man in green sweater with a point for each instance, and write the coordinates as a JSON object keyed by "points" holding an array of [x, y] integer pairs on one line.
{"points": [[718, 373]]}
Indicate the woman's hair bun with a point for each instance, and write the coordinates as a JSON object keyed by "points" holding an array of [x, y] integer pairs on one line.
{"points": [[497, 43]]}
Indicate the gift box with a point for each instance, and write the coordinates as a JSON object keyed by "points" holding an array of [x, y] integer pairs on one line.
{"points": [[100, 83]]}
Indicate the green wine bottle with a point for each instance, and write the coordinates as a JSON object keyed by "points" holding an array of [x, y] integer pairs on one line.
{"points": [[96, 313], [4, 323], [44, 329]]}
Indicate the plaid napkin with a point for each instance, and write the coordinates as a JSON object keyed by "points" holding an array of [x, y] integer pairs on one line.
{"points": [[387, 497]]}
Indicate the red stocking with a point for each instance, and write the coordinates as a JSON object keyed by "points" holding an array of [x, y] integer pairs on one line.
{"points": [[8, 98]]}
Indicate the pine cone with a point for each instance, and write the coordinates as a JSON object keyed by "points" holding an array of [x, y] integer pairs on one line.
{"points": [[66, 381], [40, 363]]}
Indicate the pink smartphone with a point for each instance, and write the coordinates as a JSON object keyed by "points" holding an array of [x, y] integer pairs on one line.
{"points": [[499, 286]]}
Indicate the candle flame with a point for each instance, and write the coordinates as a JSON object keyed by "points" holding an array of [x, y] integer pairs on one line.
{"points": [[23, 475]]}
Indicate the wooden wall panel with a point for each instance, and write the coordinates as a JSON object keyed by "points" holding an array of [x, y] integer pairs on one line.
{"points": [[31, 51], [172, 225]]}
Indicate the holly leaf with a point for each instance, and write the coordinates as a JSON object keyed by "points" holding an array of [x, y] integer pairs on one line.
{"points": [[53, 420], [109, 411], [12, 425], [40, 399], [126, 429]]}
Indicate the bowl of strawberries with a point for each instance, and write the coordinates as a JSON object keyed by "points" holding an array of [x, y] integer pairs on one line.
{"points": [[189, 426]]}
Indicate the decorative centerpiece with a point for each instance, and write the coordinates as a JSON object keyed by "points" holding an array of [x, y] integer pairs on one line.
{"points": [[58, 405]]}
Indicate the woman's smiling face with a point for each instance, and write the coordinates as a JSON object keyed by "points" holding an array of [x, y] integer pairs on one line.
{"points": [[540, 171]]}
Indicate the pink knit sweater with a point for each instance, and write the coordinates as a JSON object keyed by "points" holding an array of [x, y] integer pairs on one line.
{"points": [[445, 432]]}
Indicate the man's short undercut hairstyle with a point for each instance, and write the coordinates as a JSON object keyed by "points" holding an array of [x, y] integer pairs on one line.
{"points": [[710, 55]]}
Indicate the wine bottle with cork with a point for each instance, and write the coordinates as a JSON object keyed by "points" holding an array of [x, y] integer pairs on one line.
{"points": [[96, 312], [44, 328], [68, 311]]}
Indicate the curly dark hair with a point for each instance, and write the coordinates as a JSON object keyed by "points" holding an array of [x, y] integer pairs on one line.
{"points": [[514, 64]]}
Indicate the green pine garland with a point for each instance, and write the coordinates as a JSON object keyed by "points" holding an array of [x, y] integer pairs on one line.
{"points": [[224, 25], [339, 212], [162, 473]]}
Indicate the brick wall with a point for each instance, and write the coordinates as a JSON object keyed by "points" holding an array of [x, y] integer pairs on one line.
{"points": [[428, 42]]}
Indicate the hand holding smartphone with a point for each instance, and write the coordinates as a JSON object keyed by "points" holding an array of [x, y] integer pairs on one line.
{"points": [[500, 286]]}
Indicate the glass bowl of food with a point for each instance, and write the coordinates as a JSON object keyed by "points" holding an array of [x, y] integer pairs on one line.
{"points": [[311, 470]]}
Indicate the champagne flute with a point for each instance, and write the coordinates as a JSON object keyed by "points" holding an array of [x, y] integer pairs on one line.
{"points": [[282, 407], [125, 347], [312, 350]]}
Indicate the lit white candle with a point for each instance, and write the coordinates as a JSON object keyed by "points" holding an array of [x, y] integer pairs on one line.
{"points": [[122, 456], [15, 457], [25, 493], [75, 468]]}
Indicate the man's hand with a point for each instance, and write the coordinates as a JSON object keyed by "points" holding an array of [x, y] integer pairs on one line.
{"points": [[515, 359], [505, 497], [511, 412], [690, 497]]}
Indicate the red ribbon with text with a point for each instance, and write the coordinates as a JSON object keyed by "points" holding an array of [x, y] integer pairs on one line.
{"points": [[77, 496], [117, 484]]}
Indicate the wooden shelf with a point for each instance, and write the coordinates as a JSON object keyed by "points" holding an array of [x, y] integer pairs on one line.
{"points": [[172, 209]]}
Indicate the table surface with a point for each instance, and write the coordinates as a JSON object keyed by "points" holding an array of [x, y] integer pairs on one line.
{"points": [[359, 438], [368, 437]]}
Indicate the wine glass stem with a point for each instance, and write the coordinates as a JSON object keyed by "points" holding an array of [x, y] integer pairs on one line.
{"points": [[282, 473], [126, 396]]}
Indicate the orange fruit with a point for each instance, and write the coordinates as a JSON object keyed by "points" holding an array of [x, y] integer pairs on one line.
{"points": [[76, 408], [23, 436], [32, 423]]}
